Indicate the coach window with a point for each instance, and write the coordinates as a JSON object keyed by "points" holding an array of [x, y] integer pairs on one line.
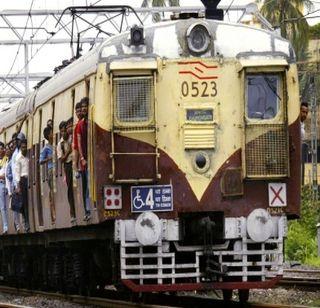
{"points": [[263, 94]]}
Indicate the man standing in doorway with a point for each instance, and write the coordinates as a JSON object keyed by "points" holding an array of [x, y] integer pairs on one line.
{"points": [[46, 158], [64, 153], [75, 139], [82, 138], [304, 110], [21, 180]]}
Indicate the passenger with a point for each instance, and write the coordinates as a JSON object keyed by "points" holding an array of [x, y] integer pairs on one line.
{"points": [[21, 180], [64, 153], [9, 184], [82, 139], [75, 140], [3, 205], [46, 158], [16, 142], [304, 109]]}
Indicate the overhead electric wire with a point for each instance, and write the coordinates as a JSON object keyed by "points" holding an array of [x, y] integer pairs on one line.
{"points": [[227, 10], [36, 52], [16, 56]]}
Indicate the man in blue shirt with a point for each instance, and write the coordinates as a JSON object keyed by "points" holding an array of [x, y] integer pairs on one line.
{"points": [[46, 158]]}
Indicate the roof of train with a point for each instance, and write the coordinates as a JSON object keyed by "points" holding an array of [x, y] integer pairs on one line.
{"points": [[165, 40]]}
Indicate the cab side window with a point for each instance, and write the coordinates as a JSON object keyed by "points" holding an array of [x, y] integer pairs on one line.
{"points": [[263, 96]]}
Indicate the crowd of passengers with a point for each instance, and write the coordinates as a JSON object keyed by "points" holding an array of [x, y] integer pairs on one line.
{"points": [[71, 150]]}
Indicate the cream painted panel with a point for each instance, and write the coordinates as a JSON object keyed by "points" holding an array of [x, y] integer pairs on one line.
{"points": [[63, 109], [9, 132], [293, 94], [102, 99]]}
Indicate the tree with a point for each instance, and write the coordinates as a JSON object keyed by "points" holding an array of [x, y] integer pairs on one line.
{"points": [[154, 3], [287, 15]]}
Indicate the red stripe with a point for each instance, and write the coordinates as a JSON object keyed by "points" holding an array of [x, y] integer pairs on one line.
{"points": [[195, 75], [201, 286], [198, 62], [198, 69]]}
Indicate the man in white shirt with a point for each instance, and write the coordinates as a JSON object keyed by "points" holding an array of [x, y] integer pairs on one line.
{"points": [[3, 205], [304, 109], [21, 181]]}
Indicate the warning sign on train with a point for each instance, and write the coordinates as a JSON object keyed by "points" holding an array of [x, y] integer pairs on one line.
{"points": [[156, 198], [277, 194]]}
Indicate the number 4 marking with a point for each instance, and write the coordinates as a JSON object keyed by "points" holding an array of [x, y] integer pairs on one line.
{"points": [[149, 199]]}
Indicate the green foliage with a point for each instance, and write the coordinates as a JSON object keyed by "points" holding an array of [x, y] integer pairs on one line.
{"points": [[314, 32], [301, 243], [287, 16]]}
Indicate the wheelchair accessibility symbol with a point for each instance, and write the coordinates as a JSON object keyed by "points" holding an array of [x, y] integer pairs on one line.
{"points": [[151, 198], [138, 203]]}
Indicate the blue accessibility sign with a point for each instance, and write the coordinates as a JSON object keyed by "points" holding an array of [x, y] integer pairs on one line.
{"points": [[156, 198]]}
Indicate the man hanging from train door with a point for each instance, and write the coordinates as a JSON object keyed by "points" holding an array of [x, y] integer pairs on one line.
{"points": [[75, 150], [82, 138], [64, 153], [21, 181], [46, 158]]}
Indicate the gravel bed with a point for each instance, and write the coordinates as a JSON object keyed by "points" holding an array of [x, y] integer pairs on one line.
{"points": [[286, 296], [38, 301]]}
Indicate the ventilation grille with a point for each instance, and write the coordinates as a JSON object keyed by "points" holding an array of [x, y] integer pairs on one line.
{"points": [[267, 154], [199, 137], [132, 99]]}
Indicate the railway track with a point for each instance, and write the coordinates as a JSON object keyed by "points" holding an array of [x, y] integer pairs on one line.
{"points": [[292, 278], [301, 278]]}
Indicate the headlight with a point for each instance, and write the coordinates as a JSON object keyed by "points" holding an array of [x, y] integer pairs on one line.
{"points": [[259, 225], [198, 38], [201, 162]]}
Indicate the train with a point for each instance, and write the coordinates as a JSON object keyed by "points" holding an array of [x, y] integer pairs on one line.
{"points": [[193, 161]]}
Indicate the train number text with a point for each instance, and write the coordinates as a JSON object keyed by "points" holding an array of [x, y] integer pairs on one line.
{"points": [[199, 88], [111, 214]]}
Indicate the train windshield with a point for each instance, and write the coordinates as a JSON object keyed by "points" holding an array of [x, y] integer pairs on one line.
{"points": [[263, 96]]}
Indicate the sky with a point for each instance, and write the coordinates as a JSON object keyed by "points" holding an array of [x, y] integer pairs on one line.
{"points": [[46, 57]]}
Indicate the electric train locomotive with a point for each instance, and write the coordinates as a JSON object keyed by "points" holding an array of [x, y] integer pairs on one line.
{"points": [[193, 155]]}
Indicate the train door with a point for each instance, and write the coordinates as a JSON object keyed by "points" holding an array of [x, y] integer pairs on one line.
{"points": [[63, 111], [47, 114], [27, 130], [90, 86], [36, 178], [6, 138], [81, 90]]}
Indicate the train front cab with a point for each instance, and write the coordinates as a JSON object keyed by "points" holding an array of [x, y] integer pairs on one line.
{"points": [[247, 250]]}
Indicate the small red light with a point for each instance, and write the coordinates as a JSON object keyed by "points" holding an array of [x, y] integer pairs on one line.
{"points": [[116, 202], [109, 192], [109, 202], [116, 191]]}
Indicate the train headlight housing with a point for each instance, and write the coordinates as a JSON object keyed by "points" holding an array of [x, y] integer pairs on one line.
{"points": [[259, 225], [148, 228], [198, 38], [201, 162]]}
